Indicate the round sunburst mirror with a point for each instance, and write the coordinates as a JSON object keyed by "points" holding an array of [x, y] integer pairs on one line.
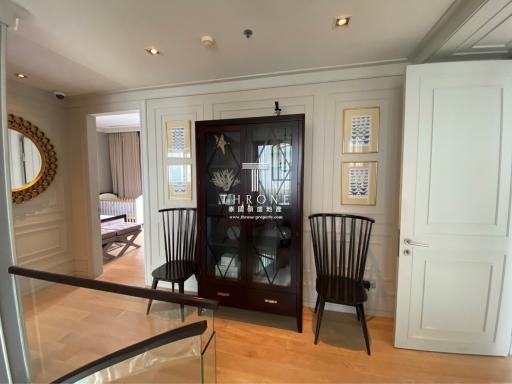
{"points": [[33, 159]]}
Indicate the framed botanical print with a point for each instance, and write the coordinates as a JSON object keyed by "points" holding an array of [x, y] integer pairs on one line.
{"points": [[180, 182], [361, 130], [359, 183], [178, 139]]}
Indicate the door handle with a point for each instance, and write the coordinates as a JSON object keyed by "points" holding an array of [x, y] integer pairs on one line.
{"points": [[415, 243]]}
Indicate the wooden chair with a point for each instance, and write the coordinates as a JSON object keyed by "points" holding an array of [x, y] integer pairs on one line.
{"points": [[180, 243], [340, 246]]}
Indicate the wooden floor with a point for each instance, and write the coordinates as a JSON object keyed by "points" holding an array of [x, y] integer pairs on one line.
{"points": [[251, 347]]}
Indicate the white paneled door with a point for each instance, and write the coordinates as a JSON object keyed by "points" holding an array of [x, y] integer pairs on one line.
{"points": [[454, 276]]}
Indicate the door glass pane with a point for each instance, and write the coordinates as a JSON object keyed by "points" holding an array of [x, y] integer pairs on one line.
{"points": [[272, 198], [223, 231]]}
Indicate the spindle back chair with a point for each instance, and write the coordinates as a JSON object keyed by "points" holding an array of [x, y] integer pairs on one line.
{"points": [[340, 247], [180, 243]]}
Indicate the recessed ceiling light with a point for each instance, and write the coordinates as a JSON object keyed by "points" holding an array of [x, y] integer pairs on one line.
{"points": [[342, 21], [153, 51], [21, 75], [207, 41]]}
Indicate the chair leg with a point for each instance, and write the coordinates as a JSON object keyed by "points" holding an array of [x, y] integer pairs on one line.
{"points": [[365, 329], [317, 302], [319, 318], [358, 314], [181, 286], [153, 286]]}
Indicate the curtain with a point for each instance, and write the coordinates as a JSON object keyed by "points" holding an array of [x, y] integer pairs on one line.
{"points": [[125, 164]]}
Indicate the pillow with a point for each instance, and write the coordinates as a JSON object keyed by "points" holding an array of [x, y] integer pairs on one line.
{"points": [[108, 196]]}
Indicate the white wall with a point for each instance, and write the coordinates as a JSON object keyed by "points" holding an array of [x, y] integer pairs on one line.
{"points": [[104, 173], [41, 225], [323, 105], [322, 97]]}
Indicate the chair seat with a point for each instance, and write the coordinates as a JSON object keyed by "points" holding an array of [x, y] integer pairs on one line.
{"points": [[175, 271], [341, 290]]}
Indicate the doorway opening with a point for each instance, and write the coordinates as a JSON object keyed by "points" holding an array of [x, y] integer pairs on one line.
{"points": [[120, 195]]}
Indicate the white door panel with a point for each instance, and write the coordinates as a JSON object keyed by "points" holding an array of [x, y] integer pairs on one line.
{"points": [[454, 295], [447, 312], [461, 137]]}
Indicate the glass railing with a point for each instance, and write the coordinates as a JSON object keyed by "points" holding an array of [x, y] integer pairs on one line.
{"points": [[88, 331]]}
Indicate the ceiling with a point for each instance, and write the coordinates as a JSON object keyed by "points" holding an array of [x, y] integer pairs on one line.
{"points": [[486, 34], [92, 46], [118, 122]]}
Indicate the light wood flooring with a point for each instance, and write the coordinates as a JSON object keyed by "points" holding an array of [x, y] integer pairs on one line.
{"points": [[69, 327]]}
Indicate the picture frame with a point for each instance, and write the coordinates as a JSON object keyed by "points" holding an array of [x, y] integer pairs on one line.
{"points": [[359, 183], [180, 182], [178, 134], [361, 130]]}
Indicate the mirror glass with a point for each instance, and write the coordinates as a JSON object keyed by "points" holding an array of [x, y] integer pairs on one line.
{"points": [[25, 160]]}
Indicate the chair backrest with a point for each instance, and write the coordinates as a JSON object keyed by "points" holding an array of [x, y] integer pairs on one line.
{"points": [[180, 234], [340, 244]]}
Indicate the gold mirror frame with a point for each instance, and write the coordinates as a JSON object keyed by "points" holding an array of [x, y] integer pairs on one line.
{"points": [[48, 160]]}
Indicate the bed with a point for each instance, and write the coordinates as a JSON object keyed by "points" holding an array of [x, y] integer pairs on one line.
{"points": [[112, 205]]}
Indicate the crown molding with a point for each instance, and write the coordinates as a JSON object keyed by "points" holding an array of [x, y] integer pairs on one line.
{"points": [[462, 31], [293, 78]]}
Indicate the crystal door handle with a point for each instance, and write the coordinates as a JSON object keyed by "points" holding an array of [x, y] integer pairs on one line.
{"points": [[415, 243]]}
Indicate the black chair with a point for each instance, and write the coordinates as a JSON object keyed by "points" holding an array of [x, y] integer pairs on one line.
{"points": [[340, 246], [180, 243]]}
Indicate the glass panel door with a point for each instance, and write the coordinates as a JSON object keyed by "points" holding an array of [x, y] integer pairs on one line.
{"points": [[223, 230], [273, 182]]}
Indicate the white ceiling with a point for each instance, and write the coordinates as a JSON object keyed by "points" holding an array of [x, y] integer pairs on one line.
{"points": [[118, 122], [89, 46]]}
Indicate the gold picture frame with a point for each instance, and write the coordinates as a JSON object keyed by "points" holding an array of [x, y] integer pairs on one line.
{"points": [[178, 139], [361, 130], [48, 155], [180, 182], [359, 183]]}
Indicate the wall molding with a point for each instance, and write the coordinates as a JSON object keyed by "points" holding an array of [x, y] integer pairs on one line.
{"points": [[42, 226], [458, 35], [369, 71], [310, 93]]}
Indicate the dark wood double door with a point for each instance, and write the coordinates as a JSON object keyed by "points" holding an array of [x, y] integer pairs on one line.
{"points": [[249, 178]]}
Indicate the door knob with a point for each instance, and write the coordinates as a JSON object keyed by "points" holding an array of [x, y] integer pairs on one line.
{"points": [[415, 243]]}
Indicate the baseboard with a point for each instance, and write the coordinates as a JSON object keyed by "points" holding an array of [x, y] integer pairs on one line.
{"points": [[349, 309]]}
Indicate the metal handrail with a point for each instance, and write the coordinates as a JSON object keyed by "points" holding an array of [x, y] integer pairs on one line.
{"points": [[122, 289], [190, 330]]}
